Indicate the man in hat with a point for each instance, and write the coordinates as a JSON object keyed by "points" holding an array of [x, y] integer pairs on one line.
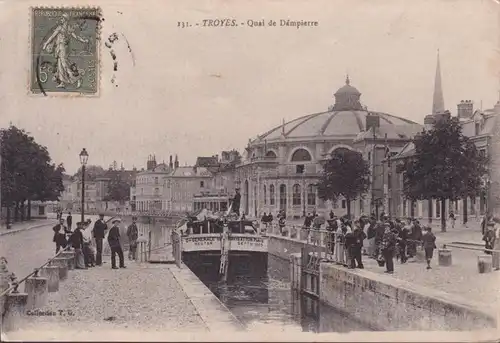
{"points": [[236, 202], [76, 240], [99, 230], [132, 234], [114, 244], [87, 245], [60, 235]]}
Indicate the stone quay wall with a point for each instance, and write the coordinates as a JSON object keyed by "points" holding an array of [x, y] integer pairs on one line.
{"points": [[386, 303]]}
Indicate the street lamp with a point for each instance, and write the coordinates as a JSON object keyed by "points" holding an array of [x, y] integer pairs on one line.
{"points": [[84, 156]]}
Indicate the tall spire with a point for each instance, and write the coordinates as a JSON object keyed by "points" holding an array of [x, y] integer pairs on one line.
{"points": [[438, 99]]}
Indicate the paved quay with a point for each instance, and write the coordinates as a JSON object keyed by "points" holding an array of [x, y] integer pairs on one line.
{"points": [[461, 279], [140, 297]]}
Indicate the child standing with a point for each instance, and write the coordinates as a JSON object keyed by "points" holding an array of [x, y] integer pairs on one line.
{"points": [[429, 244]]}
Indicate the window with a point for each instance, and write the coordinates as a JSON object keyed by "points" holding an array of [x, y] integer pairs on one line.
{"points": [[361, 205], [299, 169], [482, 152], [271, 154], [404, 208], [344, 204], [389, 182], [311, 195], [272, 198], [369, 157], [296, 195], [438, 209], [282, 196], [156, 180], [301, 155], [202, 184], [265, 195], [478, 128]]}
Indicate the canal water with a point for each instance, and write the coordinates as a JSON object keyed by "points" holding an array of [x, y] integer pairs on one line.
{"points": [[264, 300]]}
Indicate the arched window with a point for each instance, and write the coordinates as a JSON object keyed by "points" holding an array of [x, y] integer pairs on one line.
{"points": [[311, 195], [271, 154], [272, 196], [301, 155], [282, 196], [296, 195], [265, 195]]}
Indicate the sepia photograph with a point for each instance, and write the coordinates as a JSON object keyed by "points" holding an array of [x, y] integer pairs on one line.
{"points": [[263, 170]]}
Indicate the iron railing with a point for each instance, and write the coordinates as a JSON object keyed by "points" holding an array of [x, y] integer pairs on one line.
{"points": [[15, 283]]}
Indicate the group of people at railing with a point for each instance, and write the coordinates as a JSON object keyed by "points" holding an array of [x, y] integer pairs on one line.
{"points": [[87, 242], [381, 239]]}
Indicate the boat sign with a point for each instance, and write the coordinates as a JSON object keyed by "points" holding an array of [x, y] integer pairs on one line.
{"points": [[238, 242]]}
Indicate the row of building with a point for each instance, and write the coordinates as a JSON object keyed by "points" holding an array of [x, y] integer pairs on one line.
{"points": [[280, 168]]}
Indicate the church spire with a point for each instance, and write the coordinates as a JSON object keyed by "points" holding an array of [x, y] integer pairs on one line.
{"points": [[438, 99]]}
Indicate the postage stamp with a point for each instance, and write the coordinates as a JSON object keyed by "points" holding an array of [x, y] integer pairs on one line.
{"points": [[65, 51]]}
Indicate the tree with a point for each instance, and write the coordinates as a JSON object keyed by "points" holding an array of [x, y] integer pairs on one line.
{"points": [[91, 172], [345, 174], [118, 188], [446, 165], [27, 172]]}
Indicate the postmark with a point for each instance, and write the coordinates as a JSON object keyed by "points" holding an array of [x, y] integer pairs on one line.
{"points": [[65, 57]]}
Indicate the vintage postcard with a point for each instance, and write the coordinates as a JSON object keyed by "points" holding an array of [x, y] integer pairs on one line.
{"points": [[259, 170]]}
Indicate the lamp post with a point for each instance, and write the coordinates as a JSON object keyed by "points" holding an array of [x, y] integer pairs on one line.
{"points": [[84, 156]]}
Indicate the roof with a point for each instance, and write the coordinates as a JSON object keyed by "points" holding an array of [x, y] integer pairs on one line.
{"points": [[190, 172], [346, 119], [486, 124], [207, 161], [340, 124]]}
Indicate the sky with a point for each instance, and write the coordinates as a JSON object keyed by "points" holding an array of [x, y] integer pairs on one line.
{"points": [[200, 90]]}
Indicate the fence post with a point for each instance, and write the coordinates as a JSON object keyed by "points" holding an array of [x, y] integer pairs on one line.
{"points": [[37, 289], [63, 267], [52, 275], [15, 306]]}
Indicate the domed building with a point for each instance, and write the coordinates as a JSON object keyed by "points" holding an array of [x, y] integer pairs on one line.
{"points": [[281, 166]]}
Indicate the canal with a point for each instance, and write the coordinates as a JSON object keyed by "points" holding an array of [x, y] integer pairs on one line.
{"points": [[262, 298]]}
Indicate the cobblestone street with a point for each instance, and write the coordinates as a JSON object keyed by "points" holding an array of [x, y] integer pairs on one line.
{"points": [[142, 296]]}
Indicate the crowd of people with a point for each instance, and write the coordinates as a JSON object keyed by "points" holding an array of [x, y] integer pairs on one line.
{"points": [[382, 239], [87, 240]]}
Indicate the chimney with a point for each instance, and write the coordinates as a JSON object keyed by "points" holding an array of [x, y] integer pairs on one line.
{"points": [[372, 120], [151, 164], [429, 121], [465, 109], [176, 163], [171, 164]]}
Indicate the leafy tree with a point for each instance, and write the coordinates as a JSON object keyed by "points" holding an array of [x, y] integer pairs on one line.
{"points": [[27, 172], [118, 188], [446, 165], [345, 174], [91, 172]]}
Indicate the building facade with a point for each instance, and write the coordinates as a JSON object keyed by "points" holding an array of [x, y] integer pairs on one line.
{"points": [[281, 167], [478, 126]]}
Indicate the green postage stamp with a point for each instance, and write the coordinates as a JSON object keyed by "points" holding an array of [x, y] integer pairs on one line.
{"points": [[65, 51]]}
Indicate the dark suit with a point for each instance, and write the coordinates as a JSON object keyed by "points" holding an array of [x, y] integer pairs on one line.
{"points": [[59, 237], [69, 221], [236, 203], [99, 230], [116, 248]]}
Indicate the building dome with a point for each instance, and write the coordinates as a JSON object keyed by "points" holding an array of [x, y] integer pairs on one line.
{"points": [[345, 120], [347, 89]]}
